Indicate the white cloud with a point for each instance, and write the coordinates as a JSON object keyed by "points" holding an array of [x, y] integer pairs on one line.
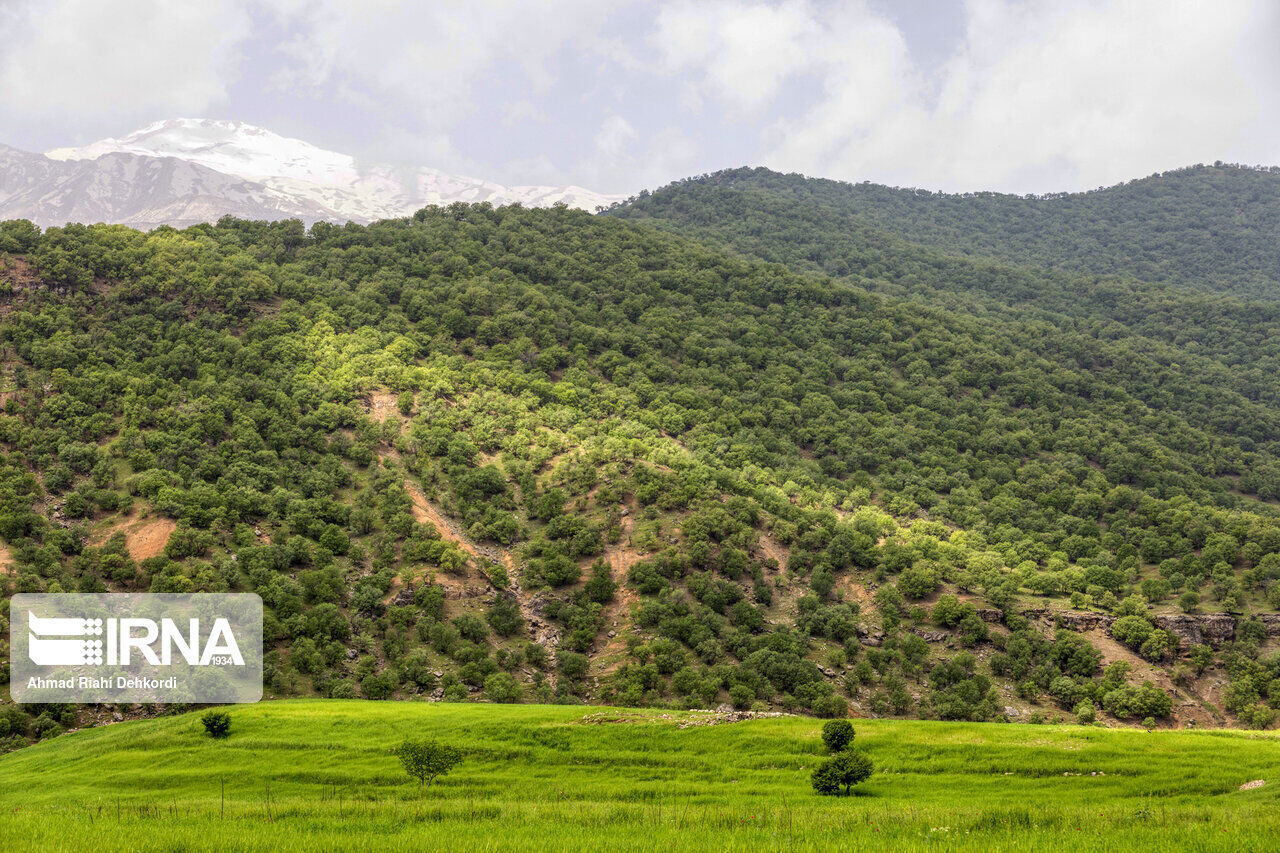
{"points": [[430, 56], [1040, 96], [624, 159], [1110, 91], [614, 136], [525, 110], [72, 59], [742, 51]]}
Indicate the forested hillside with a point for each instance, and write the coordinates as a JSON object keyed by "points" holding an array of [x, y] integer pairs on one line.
{"points": [[1209, 228], [539, 455]]}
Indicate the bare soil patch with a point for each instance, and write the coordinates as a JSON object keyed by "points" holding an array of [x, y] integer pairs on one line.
{"points": [[382, 405], [771, 549], [425, 512], [144, 536]]}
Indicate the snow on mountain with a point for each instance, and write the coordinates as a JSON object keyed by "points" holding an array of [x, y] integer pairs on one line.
{"points": [[134, 190], [292, 169]]}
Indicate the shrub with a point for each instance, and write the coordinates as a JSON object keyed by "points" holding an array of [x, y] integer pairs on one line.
{"points": [[1085, 713], [1145, 701], [344, 689], [1257, 716], [502, 687], [217, 723], [830, 707], [837, 735], [917, 582], [572, 665], [1201, 657], [471, 628], [504, 616], [1133, 631], [949, 611], [426, 760], [379, 685], [602, 587], [536, 655], [843, 770]]}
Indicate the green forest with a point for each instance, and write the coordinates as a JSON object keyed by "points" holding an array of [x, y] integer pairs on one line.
{"points": [[1208, 228], [750, 439]]}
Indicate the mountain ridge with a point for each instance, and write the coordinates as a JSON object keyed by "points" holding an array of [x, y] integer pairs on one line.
{"points": [[260, 175], [1209, 228]]}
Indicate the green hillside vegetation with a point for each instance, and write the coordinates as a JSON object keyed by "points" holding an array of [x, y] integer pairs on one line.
{"points": [[300, 775], [1210, 228], [526, 455]]}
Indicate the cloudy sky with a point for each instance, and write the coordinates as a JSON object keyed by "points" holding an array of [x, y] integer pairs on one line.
{"points": [[617, 95]]}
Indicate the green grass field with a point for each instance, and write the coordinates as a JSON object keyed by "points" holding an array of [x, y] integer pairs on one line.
{"points": [[319, 775]]}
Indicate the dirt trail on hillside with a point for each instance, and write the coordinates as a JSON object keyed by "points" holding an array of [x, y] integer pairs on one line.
{"points": [[1187, 705], [6, 561], [617, 614], [425, 511]]}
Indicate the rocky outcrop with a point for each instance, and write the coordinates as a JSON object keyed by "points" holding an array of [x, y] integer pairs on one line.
{"points": [[1076, 620], [1195, 629], [1212, 629]]}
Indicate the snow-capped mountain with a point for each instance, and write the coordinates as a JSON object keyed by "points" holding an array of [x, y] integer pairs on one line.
{"points": [[143, 192], [183, 171]]}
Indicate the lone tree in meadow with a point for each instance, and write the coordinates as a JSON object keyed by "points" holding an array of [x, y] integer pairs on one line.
{"points": [[837, 735], [425, 760], [845, 769]]}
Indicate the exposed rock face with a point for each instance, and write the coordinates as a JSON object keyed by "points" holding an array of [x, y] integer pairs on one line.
{"points": [[1076, 620], [1211, 629]]}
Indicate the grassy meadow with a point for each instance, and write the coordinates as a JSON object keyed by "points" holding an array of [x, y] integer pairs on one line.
{"points": [[319, 775]]}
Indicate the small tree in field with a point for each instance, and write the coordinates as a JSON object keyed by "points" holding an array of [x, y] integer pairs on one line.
{"points": [[837, 735], [845, 770], [217, 723], [425, 760]]}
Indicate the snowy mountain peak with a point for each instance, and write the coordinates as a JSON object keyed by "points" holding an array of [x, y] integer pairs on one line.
{"points": [[306, 176], [231, 147]]}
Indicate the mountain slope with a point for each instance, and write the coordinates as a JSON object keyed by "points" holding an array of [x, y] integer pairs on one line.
{"points": [[1220, 353], [561, 457], [1213, 228]]}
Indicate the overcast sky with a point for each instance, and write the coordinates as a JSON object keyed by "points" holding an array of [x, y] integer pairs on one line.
{"points": [[617, 95]]}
